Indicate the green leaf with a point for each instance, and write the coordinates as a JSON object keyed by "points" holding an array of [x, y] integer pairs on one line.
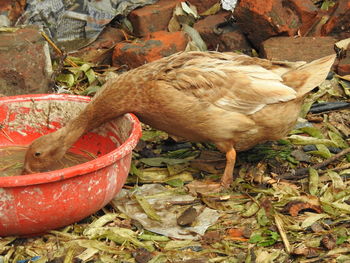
{"points": [[153, 135], [68, 79], [175, 183], [90, 90], [304, 140], [337, 139], [322, 151], [255, 239], [90, 74], [342, 239], [312, 131], [327, 4]]}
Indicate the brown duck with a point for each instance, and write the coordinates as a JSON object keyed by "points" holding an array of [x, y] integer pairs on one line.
{"points": [[232, 100]]}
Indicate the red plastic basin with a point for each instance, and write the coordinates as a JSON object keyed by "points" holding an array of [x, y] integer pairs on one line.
{"points": [[40, 202]]}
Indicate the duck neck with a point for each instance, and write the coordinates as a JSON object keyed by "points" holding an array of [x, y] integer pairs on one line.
{"points": [[118, 96]]}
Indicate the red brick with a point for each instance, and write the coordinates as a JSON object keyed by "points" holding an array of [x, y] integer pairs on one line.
{"points": [[152, 18], [25, 65], [339, 23], [157, 45], [306, 11], [12, 9], [261, 20], [202, 5], [344, 66], [231, 38], [297, 49], [100, 51]]}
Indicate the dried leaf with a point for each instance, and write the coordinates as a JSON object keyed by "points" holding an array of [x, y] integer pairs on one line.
{"points": [[118, 235], [252, 209], [346, 77], [236, 234], [195, 36], [159, 161], [88, 254], [9, 29], [343, 44], [189, 9], [338, 140], [312, 218], [149, 210], [336, 180], [103, 220], [153, 136], [313, 181], [70, 255], [304, 140], [295, 207], [174, 24], [329, 241], [178, 244], [212, 10], [187, 217]]}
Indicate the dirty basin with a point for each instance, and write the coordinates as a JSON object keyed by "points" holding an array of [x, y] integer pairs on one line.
{"points": [[36, 203]]}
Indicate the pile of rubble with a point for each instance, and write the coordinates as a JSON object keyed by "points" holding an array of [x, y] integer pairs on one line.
{"points": [[275, 29]]}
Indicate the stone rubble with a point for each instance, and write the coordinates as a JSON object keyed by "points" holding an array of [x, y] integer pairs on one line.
{"points": [[282, 30]]}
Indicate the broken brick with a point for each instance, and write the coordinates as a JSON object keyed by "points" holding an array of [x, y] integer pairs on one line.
{"points": [[201, 5], [100, 51], [297, 49], [152, 18], [12, 9], [260, 20], [339, 23], [157, 45], [25, 65], [219, 36], [307, 13]]}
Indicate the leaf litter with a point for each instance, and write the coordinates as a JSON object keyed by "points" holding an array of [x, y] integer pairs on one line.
{"points": [[290, 201]]}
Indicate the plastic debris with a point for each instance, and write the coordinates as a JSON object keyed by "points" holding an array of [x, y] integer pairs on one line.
{"points": [[77, 23], [166, 202]]}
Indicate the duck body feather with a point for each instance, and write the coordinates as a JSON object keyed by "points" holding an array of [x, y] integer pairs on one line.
{"points": [[232, 100], [215, 97]]}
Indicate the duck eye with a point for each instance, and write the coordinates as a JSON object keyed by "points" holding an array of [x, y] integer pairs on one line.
{"points": [[37, 154]]}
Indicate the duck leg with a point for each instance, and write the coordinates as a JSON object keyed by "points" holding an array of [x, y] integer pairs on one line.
{"points": [[227, 178], [228, 148]]}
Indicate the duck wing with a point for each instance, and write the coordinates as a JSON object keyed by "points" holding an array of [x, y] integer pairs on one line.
{"points": [[227, 81]]}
